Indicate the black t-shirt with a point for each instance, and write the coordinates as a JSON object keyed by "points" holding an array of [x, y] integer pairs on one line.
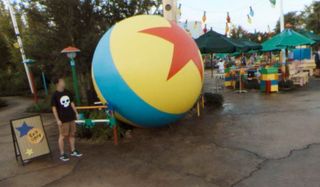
{"points": [[62, 101]]}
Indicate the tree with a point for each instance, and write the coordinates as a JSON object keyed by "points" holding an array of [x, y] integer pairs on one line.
{"points": [[311, 16], [239, 32], [52, 25], [294, 19], [11, 67]]}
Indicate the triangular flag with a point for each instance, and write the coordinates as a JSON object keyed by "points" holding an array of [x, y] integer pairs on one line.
{"points": [[228, 18], [249, 19], [179, 13], [195, 25], [227, 29], [185, 25], [204, 17], [205, 29], [251, 11], [273, 3]]}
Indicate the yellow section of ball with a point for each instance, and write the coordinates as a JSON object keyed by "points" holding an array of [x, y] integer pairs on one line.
{"points": [[144, 61]]}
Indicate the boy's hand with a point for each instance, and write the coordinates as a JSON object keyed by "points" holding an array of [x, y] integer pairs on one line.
{"points": [[59, 122], [77, 116]]}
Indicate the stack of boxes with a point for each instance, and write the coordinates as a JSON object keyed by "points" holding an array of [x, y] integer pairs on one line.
{"points": [[228, 79], [269, 80]]}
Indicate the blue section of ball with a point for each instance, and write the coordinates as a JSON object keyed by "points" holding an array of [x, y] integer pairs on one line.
{"points": [[118, 94]]}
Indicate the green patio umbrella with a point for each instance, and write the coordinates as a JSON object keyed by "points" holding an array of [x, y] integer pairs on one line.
{"points": [[310, 35], [220, 55], [290, 38], [271, 44], [241, 46], [253, 51], [238, 53], [250, 44], [286, 39], [213, 42]]}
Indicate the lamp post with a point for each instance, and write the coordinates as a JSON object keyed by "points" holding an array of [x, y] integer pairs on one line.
{"points": [[71, 54], [283, 51], [28, 63]]}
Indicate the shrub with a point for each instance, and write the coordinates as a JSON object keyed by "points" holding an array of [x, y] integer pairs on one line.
{"points": [[15, 86], [43, 106], [98, 132]]}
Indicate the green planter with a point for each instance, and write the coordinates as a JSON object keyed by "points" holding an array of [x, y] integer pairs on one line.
{"points": [[271, 70]]}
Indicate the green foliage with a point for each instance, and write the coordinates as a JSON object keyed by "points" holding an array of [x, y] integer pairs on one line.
{"points": [[239, 32], [294, 18], [12, 84], [311, 16], [98, 132], [52, 25], [44, 104], [308, 19]]}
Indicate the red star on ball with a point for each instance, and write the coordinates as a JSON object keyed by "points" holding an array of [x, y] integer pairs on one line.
{"points": [[185, 49]]}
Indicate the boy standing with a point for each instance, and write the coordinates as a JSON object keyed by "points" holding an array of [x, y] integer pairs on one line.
{"points": [[65, 113]]}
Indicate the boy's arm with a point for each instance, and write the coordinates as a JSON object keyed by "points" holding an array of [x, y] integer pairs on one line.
{"points": [[55, 113], [74, 109]]}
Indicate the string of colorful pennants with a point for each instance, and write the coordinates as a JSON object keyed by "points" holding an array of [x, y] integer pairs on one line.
{"points": [[250, 16]]}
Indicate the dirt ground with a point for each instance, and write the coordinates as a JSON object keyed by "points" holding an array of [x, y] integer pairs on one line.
{"points": [[255, 140]]}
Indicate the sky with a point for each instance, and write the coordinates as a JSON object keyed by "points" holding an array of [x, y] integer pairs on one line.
{"points": [[264, 13]]}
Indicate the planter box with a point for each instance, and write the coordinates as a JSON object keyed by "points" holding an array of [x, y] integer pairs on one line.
{"points": [[271, 70]]}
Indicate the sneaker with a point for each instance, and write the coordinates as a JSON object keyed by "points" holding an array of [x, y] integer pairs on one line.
{"points": [[64, 157], [76, 153]]}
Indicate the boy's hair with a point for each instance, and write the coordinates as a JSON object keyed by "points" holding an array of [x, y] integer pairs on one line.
{"points": [[56, 79]]}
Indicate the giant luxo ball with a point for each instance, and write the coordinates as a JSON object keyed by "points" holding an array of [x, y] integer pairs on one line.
{"points": [[149, 70]]}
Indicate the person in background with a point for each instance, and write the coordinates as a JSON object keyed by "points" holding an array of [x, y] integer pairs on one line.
{"points": [[317, 61], [65, 113], [252, 59], [221, 66], [243, 60]]}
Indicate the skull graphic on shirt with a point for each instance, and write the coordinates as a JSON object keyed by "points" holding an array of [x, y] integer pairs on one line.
{"points": [[65, 101]]}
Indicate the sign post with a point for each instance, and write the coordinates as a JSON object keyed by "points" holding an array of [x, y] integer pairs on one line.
{"points": [[23, 55]]}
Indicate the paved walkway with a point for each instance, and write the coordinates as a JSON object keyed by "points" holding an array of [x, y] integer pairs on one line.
{"points": [[36, 173], [256, 140]]}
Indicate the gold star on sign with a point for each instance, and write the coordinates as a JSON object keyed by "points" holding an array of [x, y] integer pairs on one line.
{"points": [[29, 152]]}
